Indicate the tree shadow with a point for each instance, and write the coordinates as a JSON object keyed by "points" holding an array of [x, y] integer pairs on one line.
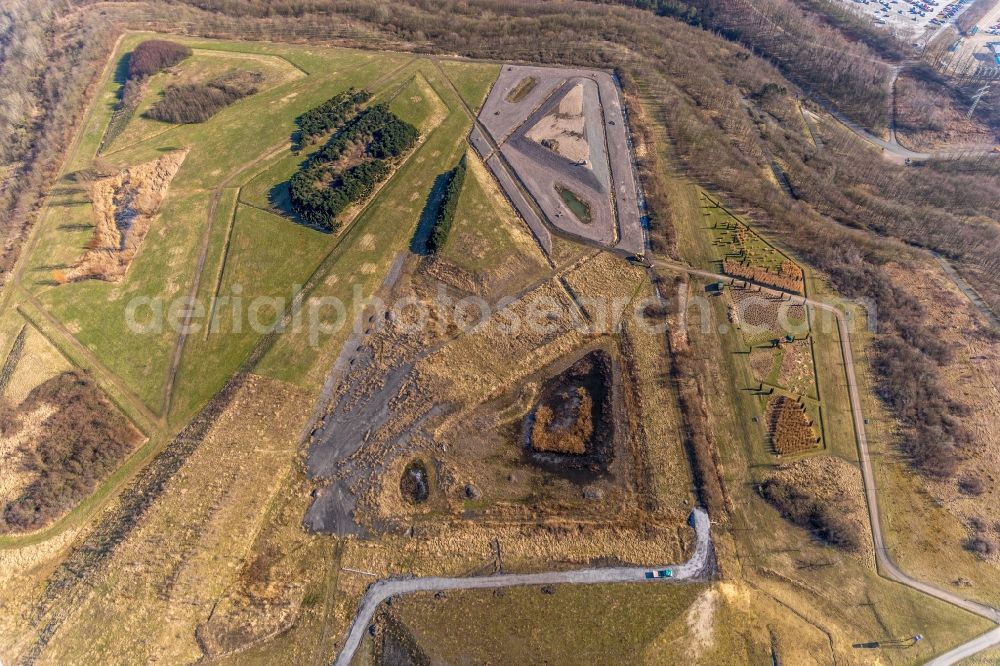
{"points": [[121, 70], [418, 244], [279, 199]]}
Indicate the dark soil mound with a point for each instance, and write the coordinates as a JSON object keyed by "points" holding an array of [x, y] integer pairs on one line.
{"points": [[413, 485], [571, 427]]}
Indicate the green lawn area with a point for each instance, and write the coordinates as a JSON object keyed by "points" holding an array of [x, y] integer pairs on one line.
{"points": [[472, 80], [97, 312], [365, 251], [418, 104], [267, 257], [732, 237], [245, 143], [202, 66]]}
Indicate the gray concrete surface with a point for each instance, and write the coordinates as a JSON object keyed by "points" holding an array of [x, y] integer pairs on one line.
{"points": [[610, 186], [632, 237], [540, 170], [500, 117], [697, 567], [521, 204]]}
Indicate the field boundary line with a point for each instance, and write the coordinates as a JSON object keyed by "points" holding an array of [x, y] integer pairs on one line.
{"points": [[222, 263], [178, 352], [90, 363]]}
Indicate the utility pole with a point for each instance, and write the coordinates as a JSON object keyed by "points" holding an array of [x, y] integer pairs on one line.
{"points": [[975, 100]]}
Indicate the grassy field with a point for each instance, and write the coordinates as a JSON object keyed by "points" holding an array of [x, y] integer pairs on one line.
{"points": [[246, 148], [188, 563], [599, 624], [814, 580], [472, 80], [266, 258], [242, 153]]}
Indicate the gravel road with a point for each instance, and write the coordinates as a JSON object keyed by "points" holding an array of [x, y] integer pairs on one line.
{"points": [[695, 568]]}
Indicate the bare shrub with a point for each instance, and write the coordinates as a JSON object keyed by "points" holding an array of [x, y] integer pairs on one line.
{"points": [[81, 442], [801, 508], [970, 485], [154, 55], [980, 546]]}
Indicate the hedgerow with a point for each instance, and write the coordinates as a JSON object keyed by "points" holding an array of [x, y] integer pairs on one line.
{"points": [[446, 213]]}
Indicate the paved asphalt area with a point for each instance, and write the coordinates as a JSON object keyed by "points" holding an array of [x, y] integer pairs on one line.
{"points": [[696, 568], [616, 220]]}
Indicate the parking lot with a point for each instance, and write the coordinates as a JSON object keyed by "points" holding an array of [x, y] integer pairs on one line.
{"points": [[911, 18]]}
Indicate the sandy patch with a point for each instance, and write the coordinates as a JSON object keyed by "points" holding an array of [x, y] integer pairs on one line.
{"points": [[124, 207], [563, 130], [701, 623]]}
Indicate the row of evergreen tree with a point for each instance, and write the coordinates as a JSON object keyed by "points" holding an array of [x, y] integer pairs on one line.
{"points": [[446, 213], [322, 188], [331, 113]]}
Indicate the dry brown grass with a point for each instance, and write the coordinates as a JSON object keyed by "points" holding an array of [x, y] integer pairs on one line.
{"points": [[970, 377], [76, 438], [571, 438], [135, 192], [39, 361], [761, 362], [193, 546], [836, 486], [797, 373], [790, 427]]}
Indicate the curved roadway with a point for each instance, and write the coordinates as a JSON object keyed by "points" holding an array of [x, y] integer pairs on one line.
{"points": [[886, 566], [891, 149], [694, 569], [699, 563]]}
